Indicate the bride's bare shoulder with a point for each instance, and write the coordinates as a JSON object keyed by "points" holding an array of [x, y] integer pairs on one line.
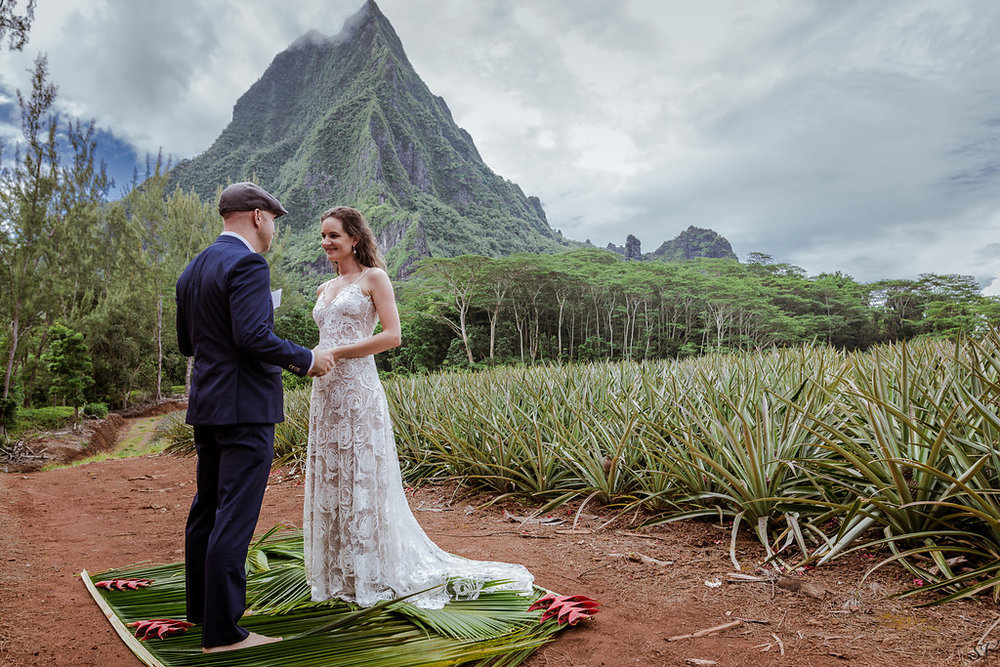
{"points": [[375, 279], [376, 276]]}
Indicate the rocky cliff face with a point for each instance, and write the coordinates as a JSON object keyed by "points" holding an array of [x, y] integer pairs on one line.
{"points": [[346, 120], [632, 250], [694, 242]]}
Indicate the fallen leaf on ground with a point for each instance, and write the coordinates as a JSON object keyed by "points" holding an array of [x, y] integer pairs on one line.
{"points": [[802, 587]]}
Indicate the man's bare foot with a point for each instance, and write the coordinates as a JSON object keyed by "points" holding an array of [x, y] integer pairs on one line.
{"points": [[253, 639]]}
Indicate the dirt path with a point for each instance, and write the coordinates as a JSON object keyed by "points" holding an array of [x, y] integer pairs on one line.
{"points": [[112, 513]]}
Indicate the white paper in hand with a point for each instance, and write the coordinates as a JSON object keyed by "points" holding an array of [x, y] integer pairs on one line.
{"points": [[276, 298]]}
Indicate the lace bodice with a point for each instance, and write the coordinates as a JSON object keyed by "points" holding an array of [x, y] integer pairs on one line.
{"points": [[344, 317], [362, 543]]}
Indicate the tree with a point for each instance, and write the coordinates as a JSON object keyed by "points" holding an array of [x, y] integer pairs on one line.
{"points": [[120, 338], [14, 25], [759, 259], [900, 307], [26, 223], [458, 278], [426, 341], [76, 244], [190, 227], [953, 303], [492, 294], [142, 241], [170, 229], [68, 360], [842, 317], [148, 208]]}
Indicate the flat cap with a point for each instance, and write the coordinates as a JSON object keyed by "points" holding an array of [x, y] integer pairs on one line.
{"points": [[248, 196]]}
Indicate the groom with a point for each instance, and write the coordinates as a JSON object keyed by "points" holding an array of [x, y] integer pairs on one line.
{"points": [[225, 319]]}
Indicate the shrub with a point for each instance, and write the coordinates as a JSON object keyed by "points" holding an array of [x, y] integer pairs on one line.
{"points": [[43, 419], [138, 396], [178, 435], [99, 410], [291, 381], [177, 390]]}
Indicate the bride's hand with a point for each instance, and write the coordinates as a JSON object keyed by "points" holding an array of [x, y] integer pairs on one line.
{"points": [[324, 361]]}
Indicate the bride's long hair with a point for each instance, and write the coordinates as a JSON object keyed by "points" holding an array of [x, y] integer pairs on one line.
{"points": [[366, 250]]}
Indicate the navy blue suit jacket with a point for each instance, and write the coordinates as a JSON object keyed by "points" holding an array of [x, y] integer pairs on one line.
{"points": [[225, 319]]}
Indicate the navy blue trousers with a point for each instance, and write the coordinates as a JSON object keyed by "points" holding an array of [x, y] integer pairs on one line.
{"points": [[233, 465]]}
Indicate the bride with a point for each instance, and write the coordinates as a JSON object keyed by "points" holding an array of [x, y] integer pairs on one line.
{"points": [[362, 542]]}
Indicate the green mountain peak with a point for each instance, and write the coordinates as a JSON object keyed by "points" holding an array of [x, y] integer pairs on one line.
{"points": [[346, 120]]}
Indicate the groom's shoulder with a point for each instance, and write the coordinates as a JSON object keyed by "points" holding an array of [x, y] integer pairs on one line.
{"points": [[221, 257], [219, 246], [230, 250]]}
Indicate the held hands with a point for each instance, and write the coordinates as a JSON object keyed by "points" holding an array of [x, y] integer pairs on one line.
{"points": [[324, 362]]}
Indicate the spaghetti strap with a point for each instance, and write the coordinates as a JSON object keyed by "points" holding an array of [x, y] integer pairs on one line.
{"points": [[362, 275]]}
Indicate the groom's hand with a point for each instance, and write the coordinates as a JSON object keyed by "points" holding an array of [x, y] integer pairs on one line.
{"points": [[323, 363]]}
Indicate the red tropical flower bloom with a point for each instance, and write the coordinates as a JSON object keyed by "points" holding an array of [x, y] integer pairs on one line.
{"points": [[569, 609], [124, 584], [158, 628]]}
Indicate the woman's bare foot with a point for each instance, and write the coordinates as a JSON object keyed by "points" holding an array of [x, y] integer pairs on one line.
{"points": [[253, 639]]}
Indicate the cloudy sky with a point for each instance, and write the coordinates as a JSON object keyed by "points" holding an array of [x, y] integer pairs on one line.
{"points": [[832, 134]]}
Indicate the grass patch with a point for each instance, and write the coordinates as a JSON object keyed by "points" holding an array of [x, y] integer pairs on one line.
{"points": [[140, 440]]}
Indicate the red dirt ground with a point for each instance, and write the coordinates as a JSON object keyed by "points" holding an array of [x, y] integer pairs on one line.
{"points": [[113, 513]]}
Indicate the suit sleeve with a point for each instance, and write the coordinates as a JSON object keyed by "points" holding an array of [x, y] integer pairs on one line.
{"points": [[183, 336], [251, 316]]}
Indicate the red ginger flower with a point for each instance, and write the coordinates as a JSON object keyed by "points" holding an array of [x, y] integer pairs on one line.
{"points": [[158, 628], [566, 608], [123, 584]]}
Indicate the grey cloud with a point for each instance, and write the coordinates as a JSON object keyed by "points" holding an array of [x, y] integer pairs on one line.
{"points": [[612, 24], [990, 251], [138, 55], [311, 38], [826, 150]]}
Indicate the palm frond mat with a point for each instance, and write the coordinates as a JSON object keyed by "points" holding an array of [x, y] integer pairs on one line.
{"points": [[499, 629]]}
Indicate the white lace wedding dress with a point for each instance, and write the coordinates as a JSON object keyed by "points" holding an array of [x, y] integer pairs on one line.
{"points": [[362, 542]]}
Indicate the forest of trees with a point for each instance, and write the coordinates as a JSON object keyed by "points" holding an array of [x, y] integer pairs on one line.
{"points": [[88, 307], [74, 262], [591, 304]]}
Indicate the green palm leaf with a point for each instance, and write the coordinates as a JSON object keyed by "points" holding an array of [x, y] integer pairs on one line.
{"points": [[495, 629]]}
